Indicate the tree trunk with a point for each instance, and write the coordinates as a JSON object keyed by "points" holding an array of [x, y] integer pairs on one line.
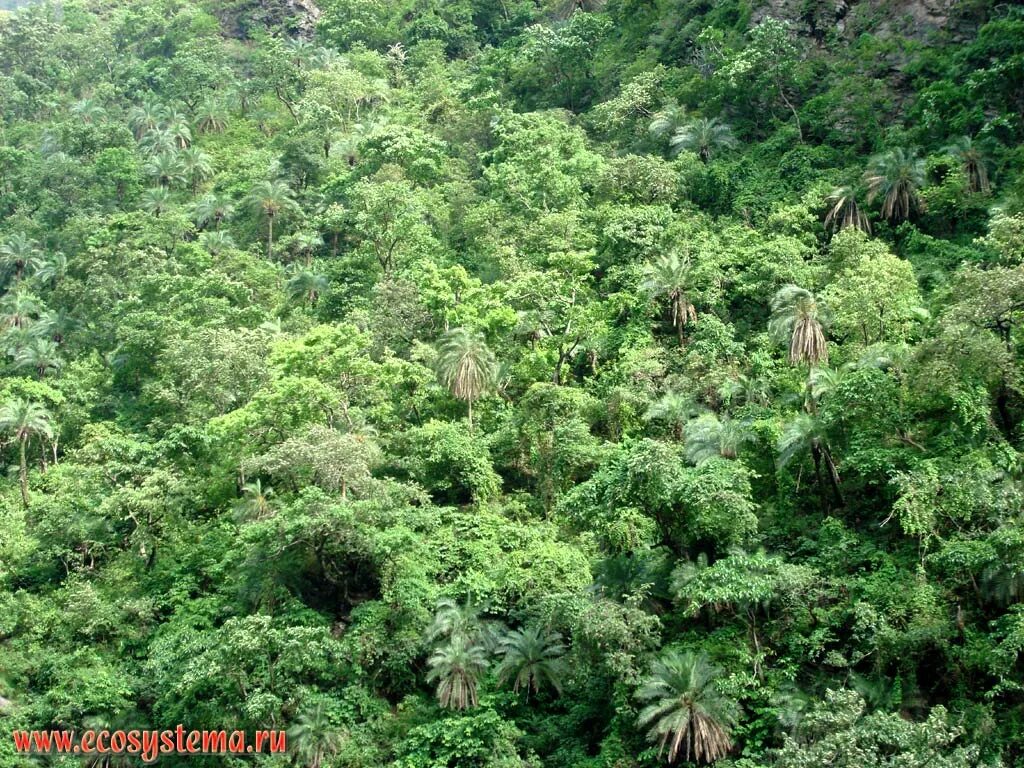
{"points": [[24, 472], [470, 401], [270, 238], [816, 455], [833, 475]]}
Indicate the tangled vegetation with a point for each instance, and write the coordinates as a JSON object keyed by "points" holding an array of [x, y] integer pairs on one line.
{"points": [[568, 383]]}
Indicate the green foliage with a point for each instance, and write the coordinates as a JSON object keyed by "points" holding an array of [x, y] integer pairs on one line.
{"points": [[730, 293]]}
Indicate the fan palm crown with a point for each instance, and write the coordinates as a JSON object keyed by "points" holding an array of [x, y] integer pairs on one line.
{"points": [[684, 710], [705, 137], [897, 178], [457, 667], [466, 365], [532, 657], [797, 318], [669, 277]]}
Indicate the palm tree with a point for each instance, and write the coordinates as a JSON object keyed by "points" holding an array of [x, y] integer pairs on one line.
{"points": [[705, 136], [314, 738], [25, 420], [17, 309], [17, 252], [746, 389], [973, 163], [806, 432], [158, 141], [532, 656], [896, 177], [667, 120], [196, 167], [49, 268], [669, 276], [88, 110], [53, 325], [41, 355], [271, 198], [216, 242], [305, 244], [844, 211], [176, 124], [255, 502], [452, 619], [797, 318], [166, 168], [675, 409], [156, 200], [466, 366], [145, 117], [210, 117], [684, 709], [457, 667], [211, 209], [306, 286], [709, 436]]}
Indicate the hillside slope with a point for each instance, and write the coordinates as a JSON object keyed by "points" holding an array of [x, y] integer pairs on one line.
{"points": [[572, 384]]}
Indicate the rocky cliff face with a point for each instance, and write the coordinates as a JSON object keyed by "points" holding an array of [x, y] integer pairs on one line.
{"points": [[306, 14], [239, 18], [849, 18]]}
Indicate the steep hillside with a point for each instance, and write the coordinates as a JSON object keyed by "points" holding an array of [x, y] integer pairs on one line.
{"points": [[470, 384]]}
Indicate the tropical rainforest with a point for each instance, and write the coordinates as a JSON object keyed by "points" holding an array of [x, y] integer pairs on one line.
{"points": [[516, 384]]}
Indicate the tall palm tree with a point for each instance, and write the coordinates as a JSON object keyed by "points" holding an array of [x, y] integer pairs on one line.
{"points": [[709, 436], [806, 433], [674, 409], [466, 366], [531, 657], [667, 120], [166, 168], [17, 252], [271, 198], [49, 268], [156, 200], [196, 167], [212, 209], [210, 117], [314, 738], [704, 136], [306, 286], [256, 500], [158, 141], [844, 210], [797, 319], [145, 117], [457, 667], [216, 242], [685, 711], [973, 163], [176, 124], [463, 620], [25, 420], [42, 356], [17, 309], [669, 277], [88, 110], [897, 177], [746, 389], [52, 325], [305, 244]]}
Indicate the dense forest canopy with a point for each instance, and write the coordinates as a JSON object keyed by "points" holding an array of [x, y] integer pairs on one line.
{"points": [[528, 383]]}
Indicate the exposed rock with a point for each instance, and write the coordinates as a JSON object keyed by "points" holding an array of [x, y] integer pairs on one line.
{"points": [[306, 14], [910, 18]]}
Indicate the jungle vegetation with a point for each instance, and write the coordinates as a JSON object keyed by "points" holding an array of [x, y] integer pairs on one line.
{"points": [[456, 383]]}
